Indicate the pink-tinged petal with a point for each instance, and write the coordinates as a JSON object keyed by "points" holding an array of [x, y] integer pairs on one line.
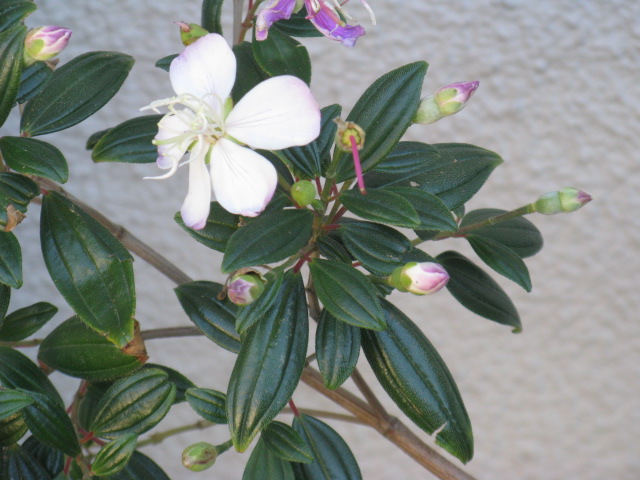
{"points": [[205, 69], [277, 113], [327, 21], [171, 127], [243, 181], [195, 208], [274, 10]]}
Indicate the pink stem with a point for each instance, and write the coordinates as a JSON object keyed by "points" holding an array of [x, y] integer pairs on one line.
{"points": [[357, 165]]}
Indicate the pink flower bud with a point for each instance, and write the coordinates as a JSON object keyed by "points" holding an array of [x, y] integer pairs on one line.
{"points": [[199, 456], [445, 101], [245, 289], [564, 200], [44, 43], [419, 278]]}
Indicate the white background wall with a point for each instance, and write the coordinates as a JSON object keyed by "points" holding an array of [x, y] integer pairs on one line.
{"points": [[559, 100]]}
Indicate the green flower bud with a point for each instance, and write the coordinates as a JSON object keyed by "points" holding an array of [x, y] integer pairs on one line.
{"points": [[564, 200], [303, 192], [419, 278], [245, 288], [445, 101], [199, 456]]}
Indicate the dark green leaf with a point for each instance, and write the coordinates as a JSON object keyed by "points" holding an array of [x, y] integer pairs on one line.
{"points": [[5, 298], [165, 62], [95, 137], [419, 382], [332, 248], [385, 111], [211, 16], [17, 371], [381, 206], [12, 429], [32, 80], [517, 234], [17, 464], [280, 54], [16, 191], [129, 142], [10, 260], [90, 268], [34, 157], [78, 351], [333, 458], [269, 364], [434, 214], [209, 404], [89, 402], [286, 443], [477, 291], [406, 161], [248, 72], [304, 161], [12, 12], [264, 464], [328, 129], [377, 247], [249, 315], [48, 422], [12, 401], [502, 259], [216, 232], [26, 321], [140, 467], [298, 25], [76, 90], [337, 349], [269, 238], [134, 404], [51, 459], [11, 51], [467, 168], [216, 318], [115, 455], [347, 294], [181, 382]]}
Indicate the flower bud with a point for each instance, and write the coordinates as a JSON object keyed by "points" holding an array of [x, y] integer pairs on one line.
{"points": [[445, 101], [199, 456], [419, 278], [190, 32], [564, 200], [303, 192], [44, 43], [246, 288]]}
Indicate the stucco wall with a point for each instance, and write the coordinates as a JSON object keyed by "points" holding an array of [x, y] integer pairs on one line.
{"points": [[559, 100]]}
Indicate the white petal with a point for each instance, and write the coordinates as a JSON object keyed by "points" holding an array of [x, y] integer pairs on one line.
{"points": [[195, 208], [204, 69], [243, 181], [169, 154], [277, 113]]}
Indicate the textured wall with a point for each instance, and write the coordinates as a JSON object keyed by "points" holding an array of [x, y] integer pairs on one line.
{"points": [[559, 100]]}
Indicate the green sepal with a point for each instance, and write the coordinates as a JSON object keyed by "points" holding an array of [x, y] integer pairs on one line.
{"points": [[129, 142], [33, 78], [382, 206], [26, 321], [11, 64], [337, 349], [10, 260], [217, 230], [254, 312], [18, 371], [286, 443], [211, 16], [501, 259], [209, 404], [279, 54], [34, 157], [114, 456], [12, 402], [263, 464], [16, 191]]}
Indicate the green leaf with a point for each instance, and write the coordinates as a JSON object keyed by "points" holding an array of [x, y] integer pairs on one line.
{"points": [[76, 90], [415, 376], [347, 294], [115, 455], [165, 62], [252, 313], [502, 259], [134, 404], [264, 464], [518, 234], [5, 298], [269, 238], [328, 129], [269, 364], [89, 402], [17, 464], [26, 321], [434, 214], [12, 429], [34, 157], [467, 168], [248, 72], [90, 268], [209, 404], [17, 371], [406, 161], [10, 260], [286, 443], [216, 232], [12, 12], [51, 459], [129, 142], [48, 422], [337, 349], [12, 401], [33, 78], [16, 191], [385, 111], [181, 382], [211, 16], [333, 458], [477, 291], [11, 51], [297, 26], [377, 247], [140, 467], [332, 248], [78, 351], [279, 54], [381, 206], [216, 318]]}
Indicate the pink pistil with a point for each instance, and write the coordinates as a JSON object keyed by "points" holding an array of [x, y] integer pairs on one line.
{"points": [[356, 164]]}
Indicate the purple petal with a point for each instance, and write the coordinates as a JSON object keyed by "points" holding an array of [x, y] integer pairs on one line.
{"points": [[275, 10]]}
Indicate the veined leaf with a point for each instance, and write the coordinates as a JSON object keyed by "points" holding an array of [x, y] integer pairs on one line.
{"points": [[11, 52], [34, 157], [129, 142]]}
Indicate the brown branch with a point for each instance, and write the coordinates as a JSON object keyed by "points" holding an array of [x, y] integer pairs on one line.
{"points": [[171, 332], [368, 394]]}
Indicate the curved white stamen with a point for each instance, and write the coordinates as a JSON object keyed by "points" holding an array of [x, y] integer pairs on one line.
{"points": [[174, 167]]}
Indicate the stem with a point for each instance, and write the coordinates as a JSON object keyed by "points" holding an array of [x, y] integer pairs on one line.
{"points": [[325, 414], [247, 24], [368, 394], [171, 332], [23, 344], [159, 437]]}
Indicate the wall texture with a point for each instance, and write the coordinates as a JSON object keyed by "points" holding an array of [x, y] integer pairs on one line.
{"points": [[559, 100]]}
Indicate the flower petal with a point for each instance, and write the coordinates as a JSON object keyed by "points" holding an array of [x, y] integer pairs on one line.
{"points": [[327, 25], [204, 69], [195, 208], [277, 113], [275, 10], [243, 181], [170, 152]]}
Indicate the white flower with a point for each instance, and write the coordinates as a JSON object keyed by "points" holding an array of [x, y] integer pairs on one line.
{"points": [[278, 113]]}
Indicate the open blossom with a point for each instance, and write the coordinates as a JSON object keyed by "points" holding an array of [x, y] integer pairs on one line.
{"points": [[324, 14], [278, 113]]}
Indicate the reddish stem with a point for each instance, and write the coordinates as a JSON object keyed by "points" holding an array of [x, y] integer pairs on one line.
{"points": [[333, 226], [339, 215], [299, 265], [294, 409], [87, 438], [357, 165], [318, 185], [67, 465]]}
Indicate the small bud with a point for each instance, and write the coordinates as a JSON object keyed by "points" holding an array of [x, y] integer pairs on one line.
{"points": [[245, 288], [190, 32], [345, 131], [564, 200], [44, 43], [445, 101], [303, 192], [199, 456], [419, 278]]}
